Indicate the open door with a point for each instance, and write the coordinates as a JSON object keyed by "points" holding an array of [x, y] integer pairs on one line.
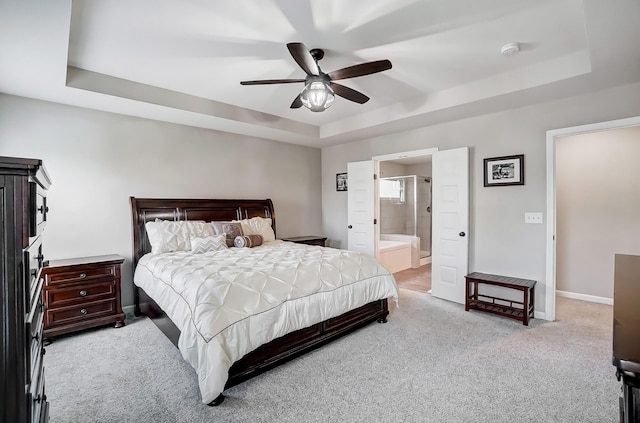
{"points": [[361, 235], [450, 217]]}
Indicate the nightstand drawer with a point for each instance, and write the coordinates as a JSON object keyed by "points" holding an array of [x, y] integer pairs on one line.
{"points": [[81, 275], [78, 313], [81, 293]]}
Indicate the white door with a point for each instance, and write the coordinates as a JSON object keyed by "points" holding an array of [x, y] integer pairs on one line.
{"points": [[360, 207], [450, 219]]}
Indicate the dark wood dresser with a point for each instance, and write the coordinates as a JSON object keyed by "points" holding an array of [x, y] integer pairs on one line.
{"points": [[626, 334], [81, 293], [309, 240], [23, 208]]}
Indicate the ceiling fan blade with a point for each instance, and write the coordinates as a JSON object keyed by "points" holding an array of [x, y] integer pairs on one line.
{"points": [[297, 103], [271, 81], [360, 70], [303, 58], [348, 93]]}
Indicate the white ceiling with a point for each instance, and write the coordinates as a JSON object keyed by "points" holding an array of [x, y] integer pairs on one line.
{"points": [[182, 62]]}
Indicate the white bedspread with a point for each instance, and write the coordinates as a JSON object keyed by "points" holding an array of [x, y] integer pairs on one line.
{"points": [[227, 303]]}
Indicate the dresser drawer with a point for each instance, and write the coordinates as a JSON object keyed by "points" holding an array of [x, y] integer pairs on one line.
{"points": [[36, 399], [33, 258], [34, 326], [80, 312], [37, 209], [81, 293], [81, 275]]}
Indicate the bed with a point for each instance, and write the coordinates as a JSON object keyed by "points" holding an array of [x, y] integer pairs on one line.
{"points": [[333, 309]]}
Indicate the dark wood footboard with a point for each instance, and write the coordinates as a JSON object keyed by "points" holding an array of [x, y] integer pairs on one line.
{"points": [[281, 349]]}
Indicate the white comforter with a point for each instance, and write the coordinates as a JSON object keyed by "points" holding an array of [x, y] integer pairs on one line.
{"points": [[227, 303]]}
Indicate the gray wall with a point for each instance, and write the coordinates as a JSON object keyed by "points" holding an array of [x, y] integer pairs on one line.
{"points": [[598, 208], [500, 242], [97, 160]]}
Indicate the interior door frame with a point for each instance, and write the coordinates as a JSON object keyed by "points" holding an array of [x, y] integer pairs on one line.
{"points": [[552, 136]]}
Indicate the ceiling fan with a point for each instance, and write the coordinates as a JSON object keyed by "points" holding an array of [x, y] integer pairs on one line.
{"points": [[319, 90]]}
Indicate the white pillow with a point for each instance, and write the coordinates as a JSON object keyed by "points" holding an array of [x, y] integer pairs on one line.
{"points": [[154, 235], [199, 228], [176, 235], [205, 244], [166, 236], [258, 226]]}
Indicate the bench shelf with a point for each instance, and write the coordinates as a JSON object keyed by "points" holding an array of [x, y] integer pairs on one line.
{"points": [[519, 310]]}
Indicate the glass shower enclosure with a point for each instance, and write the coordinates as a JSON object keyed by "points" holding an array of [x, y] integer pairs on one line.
{"points": [[405, 208]]}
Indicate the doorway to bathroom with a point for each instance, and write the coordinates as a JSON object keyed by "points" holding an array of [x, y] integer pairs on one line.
{"points": [[404, 244]]}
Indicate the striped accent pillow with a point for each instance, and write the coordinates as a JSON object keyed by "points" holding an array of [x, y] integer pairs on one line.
{"points": [[205, 244], [247, 241]]}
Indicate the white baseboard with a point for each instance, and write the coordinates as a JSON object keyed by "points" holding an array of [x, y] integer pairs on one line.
{"points": [[539, 315], [583, 297], [425, 260], [128, 310]]}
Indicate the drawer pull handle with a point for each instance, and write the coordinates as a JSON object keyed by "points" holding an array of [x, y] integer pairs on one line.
{"points": [[83, 293], [83, 275], [83, 311], [43, 209]]}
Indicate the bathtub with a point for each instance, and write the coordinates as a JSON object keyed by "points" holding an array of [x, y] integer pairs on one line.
{"points": [[394, 255], [413, 241], [398, 252]]}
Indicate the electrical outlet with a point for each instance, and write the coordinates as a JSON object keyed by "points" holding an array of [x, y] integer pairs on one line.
{"points": [[533, 218]]}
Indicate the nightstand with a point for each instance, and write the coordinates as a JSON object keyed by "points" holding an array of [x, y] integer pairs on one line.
{"points": [[309, 240], [81, 293]]}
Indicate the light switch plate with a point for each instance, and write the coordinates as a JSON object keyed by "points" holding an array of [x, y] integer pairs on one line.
{"points": [[533, 218]]}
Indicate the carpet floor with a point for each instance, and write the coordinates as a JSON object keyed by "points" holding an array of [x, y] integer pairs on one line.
{"points": [[432, 362]]}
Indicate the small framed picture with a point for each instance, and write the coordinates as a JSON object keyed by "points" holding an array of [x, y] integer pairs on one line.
{"points": [[341, 181], [501, 171]]}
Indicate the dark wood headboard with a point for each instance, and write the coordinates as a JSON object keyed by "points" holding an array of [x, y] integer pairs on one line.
{"points": [[144, 210]]}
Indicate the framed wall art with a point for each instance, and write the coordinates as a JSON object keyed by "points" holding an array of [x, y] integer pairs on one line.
{"points": [[501, 171], [341, 181]]}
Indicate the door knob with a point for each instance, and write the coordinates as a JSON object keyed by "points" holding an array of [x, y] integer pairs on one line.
{"points": [[462, 234], [349, 226]]}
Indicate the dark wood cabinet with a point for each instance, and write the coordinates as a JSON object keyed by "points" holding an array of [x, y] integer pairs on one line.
{"points": [[81, 293], [309, 240], [626, 334], [23, 217]]}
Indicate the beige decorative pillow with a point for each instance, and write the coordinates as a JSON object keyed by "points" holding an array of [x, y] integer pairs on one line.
{"points": [[259, 226], [230, 229]]}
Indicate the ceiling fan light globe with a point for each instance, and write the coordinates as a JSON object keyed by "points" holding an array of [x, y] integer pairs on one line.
{"points": [[317, 96]]}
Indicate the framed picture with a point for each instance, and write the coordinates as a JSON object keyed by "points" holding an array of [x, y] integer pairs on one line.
{"points": [[501, 171], [341, 181]]}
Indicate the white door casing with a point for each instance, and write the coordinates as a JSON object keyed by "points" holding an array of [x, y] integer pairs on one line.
{"points": [[361, 234], [450, 218]]}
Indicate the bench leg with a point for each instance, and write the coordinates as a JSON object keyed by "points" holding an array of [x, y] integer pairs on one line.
{"points": [[525, 311]]}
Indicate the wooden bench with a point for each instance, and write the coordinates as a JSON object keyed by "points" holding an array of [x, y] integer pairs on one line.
{"points": [[522, 311]]}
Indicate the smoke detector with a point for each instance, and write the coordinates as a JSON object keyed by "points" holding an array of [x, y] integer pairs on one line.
{"points": [[510, 49]]}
